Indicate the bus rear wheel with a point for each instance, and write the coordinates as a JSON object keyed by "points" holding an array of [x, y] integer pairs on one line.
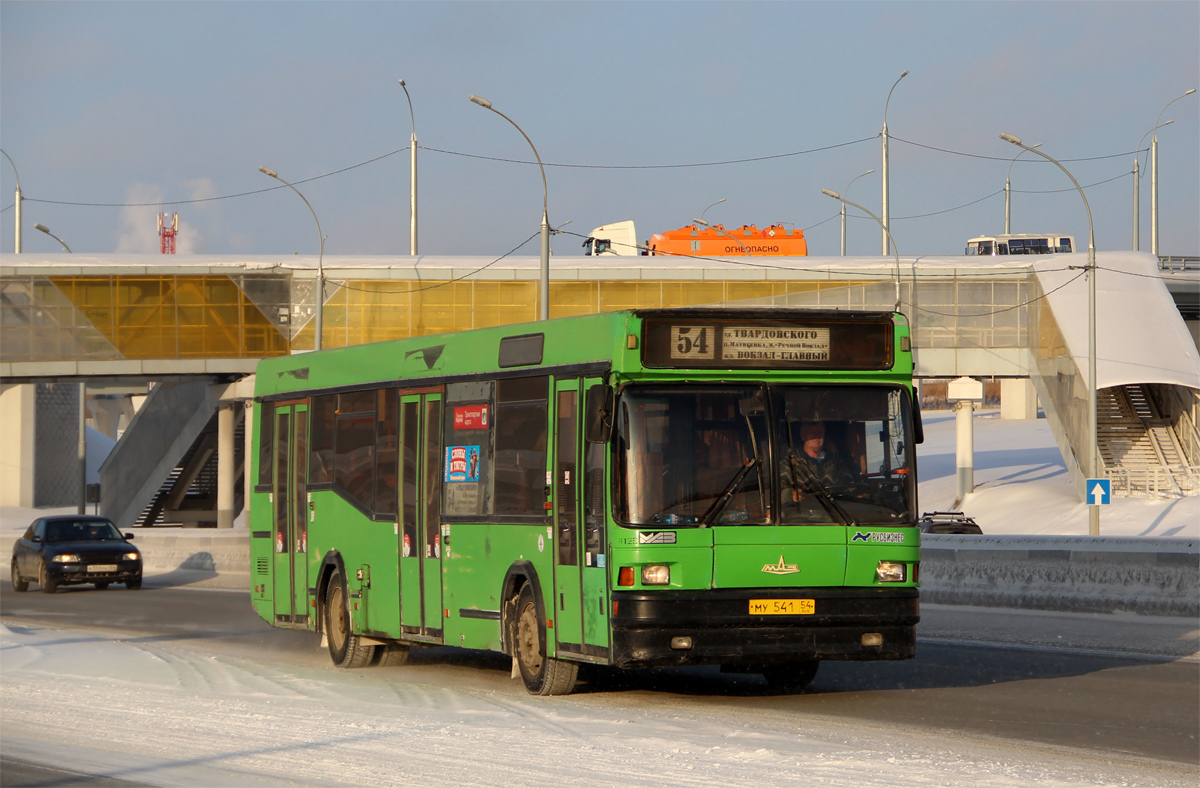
{"points": [[345, 648], [792, 676], [542, 675], [391, 655]]}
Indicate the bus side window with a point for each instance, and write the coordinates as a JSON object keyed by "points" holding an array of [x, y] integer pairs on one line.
{"points": [[520, 430]]}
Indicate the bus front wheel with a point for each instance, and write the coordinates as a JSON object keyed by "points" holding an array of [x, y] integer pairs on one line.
{"points": [[542, 675], [345, 648], [792, 676]]}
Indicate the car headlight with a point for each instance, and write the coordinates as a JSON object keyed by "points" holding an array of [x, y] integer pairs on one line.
{"points": [[130, 557], [890, 572], [656, 575], [66, 558]]}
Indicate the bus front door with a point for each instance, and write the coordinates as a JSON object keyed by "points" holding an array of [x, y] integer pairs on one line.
{"points": [[568, 585], [595, 540], [290, 510], [420, 517], [581, 579]]}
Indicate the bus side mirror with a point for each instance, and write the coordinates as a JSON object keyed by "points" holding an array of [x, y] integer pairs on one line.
{"points": [[599, 415]]}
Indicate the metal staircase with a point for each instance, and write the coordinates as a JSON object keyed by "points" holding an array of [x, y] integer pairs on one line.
{"points": [[1143, 449]]}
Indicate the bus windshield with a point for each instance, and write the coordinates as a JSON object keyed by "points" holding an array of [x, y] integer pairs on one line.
{"points": [[775, 454]]}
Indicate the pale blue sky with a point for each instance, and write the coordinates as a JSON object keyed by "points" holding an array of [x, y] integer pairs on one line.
{"points": [[107, 102]]}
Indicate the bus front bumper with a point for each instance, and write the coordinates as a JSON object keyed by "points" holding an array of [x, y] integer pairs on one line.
{"points": [[655, 629]]}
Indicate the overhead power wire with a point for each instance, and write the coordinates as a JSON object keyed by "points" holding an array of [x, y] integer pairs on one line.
{"points": [[724, 162], [998, 158], [653, 166], [223, 197]]}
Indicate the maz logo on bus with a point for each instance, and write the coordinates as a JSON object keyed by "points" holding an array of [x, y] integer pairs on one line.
{"points": [[781, 568]]}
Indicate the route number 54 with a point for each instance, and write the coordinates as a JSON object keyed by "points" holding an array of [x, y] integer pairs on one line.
{"points": [[692, 342]]}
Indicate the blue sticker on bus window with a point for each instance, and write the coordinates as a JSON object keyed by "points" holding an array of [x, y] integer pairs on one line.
{"points": [[462, 463]]}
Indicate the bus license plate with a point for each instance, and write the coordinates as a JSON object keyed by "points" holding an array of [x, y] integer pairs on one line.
{"points": [[95, 568], [782, 607]]}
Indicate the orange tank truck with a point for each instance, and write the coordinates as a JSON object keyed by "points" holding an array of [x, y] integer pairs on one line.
{"points": [[716, 241]]}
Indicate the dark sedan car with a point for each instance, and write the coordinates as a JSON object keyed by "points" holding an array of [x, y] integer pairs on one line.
{"points": [[72, 550]]}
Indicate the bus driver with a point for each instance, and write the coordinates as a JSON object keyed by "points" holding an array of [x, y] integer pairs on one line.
{"points": [[817, 461]]}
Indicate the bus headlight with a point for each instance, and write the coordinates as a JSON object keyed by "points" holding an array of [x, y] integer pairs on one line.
{"points": [[66, 558], [656, 575], [890, 572]]}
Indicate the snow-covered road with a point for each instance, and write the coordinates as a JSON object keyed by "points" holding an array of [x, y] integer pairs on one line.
{"points": [[162, 714]]}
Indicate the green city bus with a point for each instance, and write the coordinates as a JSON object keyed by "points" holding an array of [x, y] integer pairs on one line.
{"points": [[643, 488]]}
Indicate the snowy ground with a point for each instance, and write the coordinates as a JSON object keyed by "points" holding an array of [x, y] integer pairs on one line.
{"points": [[171, 714], [1022, 486]]}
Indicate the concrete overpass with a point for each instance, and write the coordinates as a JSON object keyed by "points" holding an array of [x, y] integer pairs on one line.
{"points": [[194, 324]]}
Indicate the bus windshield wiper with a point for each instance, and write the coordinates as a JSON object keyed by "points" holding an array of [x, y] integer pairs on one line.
{"points": [[813, 485], [719, 505]]}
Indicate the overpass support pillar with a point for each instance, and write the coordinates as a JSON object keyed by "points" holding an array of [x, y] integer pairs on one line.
{"points": [[964, 393], [1018, 399], [226, 472], [18, 406]]}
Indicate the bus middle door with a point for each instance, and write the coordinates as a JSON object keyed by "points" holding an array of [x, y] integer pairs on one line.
{"points": [[290, 509], [420, 517], [568, 582]]}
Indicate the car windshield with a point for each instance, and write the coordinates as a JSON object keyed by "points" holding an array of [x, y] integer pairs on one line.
{"points": [[744, 455], [82, 531]]}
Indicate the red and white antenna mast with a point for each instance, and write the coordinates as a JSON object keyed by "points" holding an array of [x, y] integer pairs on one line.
{"points": [[166, 232]]}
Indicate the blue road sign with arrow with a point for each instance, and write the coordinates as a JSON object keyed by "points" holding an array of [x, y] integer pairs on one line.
{"points": [[1099, 491]]}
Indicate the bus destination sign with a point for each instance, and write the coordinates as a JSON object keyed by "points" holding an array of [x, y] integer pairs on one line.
{"points": [[749, 343], [774, 344], [835, 344]]}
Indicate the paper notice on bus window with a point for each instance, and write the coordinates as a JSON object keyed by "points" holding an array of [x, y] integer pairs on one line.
{"points": [[460, 499], [747, 343]]}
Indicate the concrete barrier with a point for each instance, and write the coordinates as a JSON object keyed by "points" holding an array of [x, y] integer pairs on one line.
{"points": [[1066, 573], [208, 549]]}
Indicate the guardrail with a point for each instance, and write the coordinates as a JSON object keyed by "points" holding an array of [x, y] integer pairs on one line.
{"points": [[1178, 263]]}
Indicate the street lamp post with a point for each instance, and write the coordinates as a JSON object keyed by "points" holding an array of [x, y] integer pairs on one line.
{"points": [[1008, 192], [1137, 188], [544, 283], [16, 207], [412, 196], [46, 230], [887, 186], [703, 223], [718, 202], [1154, 175], [844, 201], [847, 191], [320, 257], [1093, 460]]}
